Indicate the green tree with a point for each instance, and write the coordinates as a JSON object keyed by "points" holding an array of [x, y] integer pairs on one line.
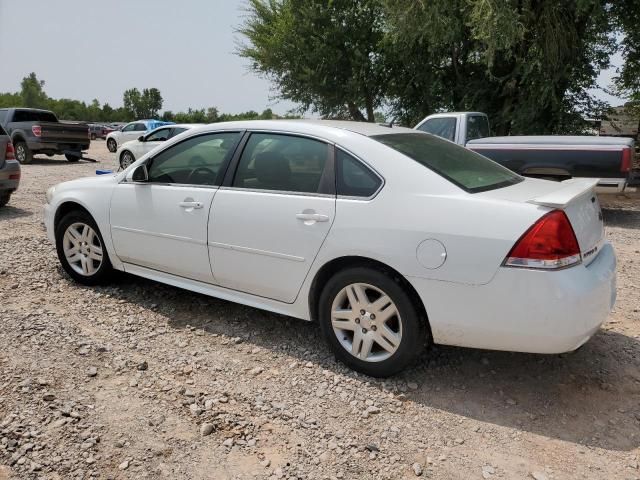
{"points": [[324, 55], [32, 92], [142, 105]]}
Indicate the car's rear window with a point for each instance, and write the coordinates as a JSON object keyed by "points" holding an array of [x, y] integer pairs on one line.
{"points": [[34, 116], [462, 167]]}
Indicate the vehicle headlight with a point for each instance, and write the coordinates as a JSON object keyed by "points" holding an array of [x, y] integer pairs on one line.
{"points": [[49, 194]]}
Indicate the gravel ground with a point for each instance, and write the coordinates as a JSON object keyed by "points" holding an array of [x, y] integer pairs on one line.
{"points": [[141, 380]]}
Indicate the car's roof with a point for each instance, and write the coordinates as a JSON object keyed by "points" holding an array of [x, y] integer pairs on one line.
{"points": [[310, 126]]}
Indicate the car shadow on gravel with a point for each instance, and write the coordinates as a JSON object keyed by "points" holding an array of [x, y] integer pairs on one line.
{"points": [[9, 212], [590, 397], [621, 218]]}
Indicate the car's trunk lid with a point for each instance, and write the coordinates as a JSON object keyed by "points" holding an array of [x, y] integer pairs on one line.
{"points": [[576, 197]]}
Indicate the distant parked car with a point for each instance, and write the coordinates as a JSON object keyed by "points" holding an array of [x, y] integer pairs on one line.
{"points": [[9, 168], [132, 150], [97, 131], [34, 131], [131, 131]]}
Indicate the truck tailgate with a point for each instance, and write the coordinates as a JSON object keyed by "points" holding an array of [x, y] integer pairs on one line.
{"points": [[64, 132]]}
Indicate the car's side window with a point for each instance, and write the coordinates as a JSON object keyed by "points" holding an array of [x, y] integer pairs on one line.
{"points": [[280, 162], [195, 161], [353, 178], [444, 127], [140, 127], [159, 135], [129, 128], [177, 131]]}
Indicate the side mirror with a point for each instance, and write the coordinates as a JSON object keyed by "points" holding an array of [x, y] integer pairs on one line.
{"points": [[140, 174], [141, 138]]}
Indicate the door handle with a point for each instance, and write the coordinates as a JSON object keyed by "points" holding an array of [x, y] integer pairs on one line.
{"points": [[191, 204], [314, 217]]}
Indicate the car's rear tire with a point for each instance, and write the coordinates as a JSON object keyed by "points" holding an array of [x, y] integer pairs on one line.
{"points": [[112, 146], [387, 337], [81, 249], [22, 153], [72, 158], [126, 159], [4, 199]]}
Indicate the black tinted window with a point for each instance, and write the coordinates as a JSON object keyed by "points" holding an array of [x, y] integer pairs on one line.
{"points": [[140, 127], [177, 131], [196, 161], [354, 179], [281, 162], [129, 128], [33, 116], [462, 167], [477, 127], [3, 115], [442, 127]]}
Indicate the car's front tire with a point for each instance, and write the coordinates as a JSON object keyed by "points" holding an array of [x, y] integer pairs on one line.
{"points": [[371, 322], [126, 159], [81, 249], [112, 146]]}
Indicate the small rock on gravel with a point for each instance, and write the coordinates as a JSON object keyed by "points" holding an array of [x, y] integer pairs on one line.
{"points": [[206, 429], [92, 372], [538, 476], [417, 469]]}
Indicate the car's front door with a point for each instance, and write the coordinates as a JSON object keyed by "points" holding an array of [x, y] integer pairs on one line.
{"points": [[268, 225], [161, 223]]}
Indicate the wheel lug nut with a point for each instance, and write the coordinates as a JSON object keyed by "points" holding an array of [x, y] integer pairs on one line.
{"points": [[362, 312], [357, 320], [374, 328], [372, 316], [364, 330]]}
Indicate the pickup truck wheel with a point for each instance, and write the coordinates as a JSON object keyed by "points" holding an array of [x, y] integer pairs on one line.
{"points": [[4, 199], [23, 154], [72, 158], [112, 146]]}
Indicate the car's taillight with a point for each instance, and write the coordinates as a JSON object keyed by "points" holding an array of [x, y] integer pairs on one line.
{"points": [[14, 176], [549, 244], [9, 152], [37, 130], [625, 165]]}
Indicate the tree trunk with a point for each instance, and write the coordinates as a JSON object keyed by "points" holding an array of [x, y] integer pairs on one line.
{"points": [[355, 112]]}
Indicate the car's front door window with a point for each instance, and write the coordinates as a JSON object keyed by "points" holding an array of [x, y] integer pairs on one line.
{"points": [[159, 135], [444, 127], [195, 161], [282, 162], [129, 128]]}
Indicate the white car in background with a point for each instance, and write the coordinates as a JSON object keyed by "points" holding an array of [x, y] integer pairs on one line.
{"points": [[390, 238], [132, 150], [132, 131]]}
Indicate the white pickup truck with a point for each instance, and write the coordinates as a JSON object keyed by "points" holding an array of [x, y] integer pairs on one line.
{"points": [[555, 157]]}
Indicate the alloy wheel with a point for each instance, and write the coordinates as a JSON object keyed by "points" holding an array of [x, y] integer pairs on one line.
{"points": [[82, 249], [366, 322], [21, 153], [127, 159]]}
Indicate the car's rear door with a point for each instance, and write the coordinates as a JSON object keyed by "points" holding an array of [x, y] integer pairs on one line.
{"points": [[162, 223], [270, 219]]}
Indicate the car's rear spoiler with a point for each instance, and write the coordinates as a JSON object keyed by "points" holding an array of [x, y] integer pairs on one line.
{"points": [[569, 189]]}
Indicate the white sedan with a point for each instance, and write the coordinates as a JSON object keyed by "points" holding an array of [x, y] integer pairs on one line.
{"points": [[390, 238], [130, 151]]}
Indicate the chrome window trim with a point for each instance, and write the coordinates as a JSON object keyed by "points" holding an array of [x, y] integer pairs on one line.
{"points": [[279, 192]]}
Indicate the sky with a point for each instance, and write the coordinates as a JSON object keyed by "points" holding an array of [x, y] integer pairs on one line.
{"points": [[85, 50]]}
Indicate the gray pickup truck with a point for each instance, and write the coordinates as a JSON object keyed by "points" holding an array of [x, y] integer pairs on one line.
{"points": [[9, 169], [554, 157], [34, 131]]}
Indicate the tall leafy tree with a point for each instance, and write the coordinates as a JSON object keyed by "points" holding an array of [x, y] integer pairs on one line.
{"points": [[32, 92], [323, 54]]}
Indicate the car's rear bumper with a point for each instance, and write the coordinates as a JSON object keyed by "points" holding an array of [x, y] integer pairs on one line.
{"points": [[524, 310], [10, 176], [57, 146]]}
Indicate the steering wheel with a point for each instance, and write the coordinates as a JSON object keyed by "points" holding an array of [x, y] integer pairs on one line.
{"points": [[200, 171]]}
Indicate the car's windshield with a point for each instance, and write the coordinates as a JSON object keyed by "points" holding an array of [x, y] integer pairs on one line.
{"points": [[466, 169]]}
